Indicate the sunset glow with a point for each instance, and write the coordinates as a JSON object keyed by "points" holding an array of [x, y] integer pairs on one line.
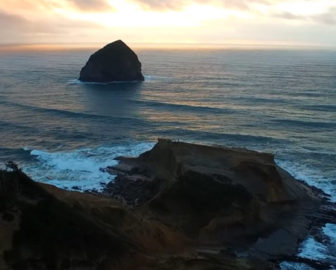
{"points": [[298, 22]]}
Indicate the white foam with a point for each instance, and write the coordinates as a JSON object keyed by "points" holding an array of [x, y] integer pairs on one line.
{"points": [[294, 266], [80, 168], [330, 231], [76, 81], [311, 176], [325, 250], [152, 78], [312, 249], [148, 78]]}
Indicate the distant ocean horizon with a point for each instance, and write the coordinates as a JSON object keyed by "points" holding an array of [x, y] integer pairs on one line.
{"points": [[62, 131], [232, 45]]}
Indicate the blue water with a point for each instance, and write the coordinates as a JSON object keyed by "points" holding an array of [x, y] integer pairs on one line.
{"points": [[62, 131]]}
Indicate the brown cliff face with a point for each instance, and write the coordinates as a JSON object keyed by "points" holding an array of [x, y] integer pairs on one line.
{"points": [[49, 233], [219, 197], [43, 227], [184, 207]]}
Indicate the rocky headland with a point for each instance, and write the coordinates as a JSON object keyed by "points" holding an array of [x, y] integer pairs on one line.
{"points": [[113, 63], [178, 206]]}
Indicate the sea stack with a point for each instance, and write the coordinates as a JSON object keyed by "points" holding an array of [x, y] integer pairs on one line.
{"points": [[114, 62]]}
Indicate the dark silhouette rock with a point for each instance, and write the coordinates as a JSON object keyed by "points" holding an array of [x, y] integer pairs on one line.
{"points": [[115, 62]]}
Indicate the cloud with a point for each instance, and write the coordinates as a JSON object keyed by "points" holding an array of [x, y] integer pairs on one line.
{"points": [[180, 4], [250, 6], [36, 21], [162, 5], [328, 17], [10, 22], [47, 6], [89, 5], [16, 29], [16, 24]]}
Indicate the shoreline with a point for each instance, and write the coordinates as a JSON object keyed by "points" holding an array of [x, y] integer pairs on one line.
{"points": [[164, 202], [133, 176]]}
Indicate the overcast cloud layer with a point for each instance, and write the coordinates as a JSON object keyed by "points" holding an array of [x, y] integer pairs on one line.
{"points": [[179, 4], [309, 22]]}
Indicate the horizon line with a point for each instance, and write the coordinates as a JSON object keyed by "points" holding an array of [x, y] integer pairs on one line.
{"points": [[166, 45]]}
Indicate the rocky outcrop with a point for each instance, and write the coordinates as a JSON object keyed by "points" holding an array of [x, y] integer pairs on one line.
{"points": [[220, 197], [43, 227], [115, 62], [179, 206]]}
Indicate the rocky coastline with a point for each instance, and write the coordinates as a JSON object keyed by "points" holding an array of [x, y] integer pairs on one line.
{"points": [[177, 206]]}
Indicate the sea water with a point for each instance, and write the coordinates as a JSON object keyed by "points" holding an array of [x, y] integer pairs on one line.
{"points": [[63, 132]]}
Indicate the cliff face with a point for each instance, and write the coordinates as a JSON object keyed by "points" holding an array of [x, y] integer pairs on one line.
{"points": [[42, 232], [181, 206], [115, 62], [219, 197], [43, 227]]}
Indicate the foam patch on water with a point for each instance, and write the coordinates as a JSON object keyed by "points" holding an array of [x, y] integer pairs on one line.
{"points": [[76, 81], [152, 78], [312, 249], [80, 169], [294, 266], [330, 231], [323, 250], [148, 78], [312, 177]]}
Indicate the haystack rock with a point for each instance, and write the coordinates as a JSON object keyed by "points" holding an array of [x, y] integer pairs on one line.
{"points": [[115, 62]]}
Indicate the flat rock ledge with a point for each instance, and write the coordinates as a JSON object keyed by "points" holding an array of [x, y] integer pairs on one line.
{"points": [[178, 206]]}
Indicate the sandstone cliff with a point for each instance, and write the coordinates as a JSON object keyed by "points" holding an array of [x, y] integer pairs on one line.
{"points": [[178, 206]]}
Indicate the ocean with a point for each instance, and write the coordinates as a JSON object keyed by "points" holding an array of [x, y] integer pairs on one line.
{"points": [[61, 131]]}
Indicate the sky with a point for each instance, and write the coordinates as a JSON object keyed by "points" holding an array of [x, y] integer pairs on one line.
{"points": [[157, 22]]}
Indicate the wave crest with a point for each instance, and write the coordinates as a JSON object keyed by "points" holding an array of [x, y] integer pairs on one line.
{"points": [[80, 169]]}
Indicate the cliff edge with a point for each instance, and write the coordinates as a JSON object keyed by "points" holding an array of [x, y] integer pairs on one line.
{"points": [[178, 206]]}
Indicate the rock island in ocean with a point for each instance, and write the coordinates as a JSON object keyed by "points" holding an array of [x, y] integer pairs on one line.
{"points": [[113, 63]]}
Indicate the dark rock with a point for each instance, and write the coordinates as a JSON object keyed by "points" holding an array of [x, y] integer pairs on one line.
{"points": [[115, 62], [223, 197], [7, 216], [11, 166], [184, 206], [46, 233], [133, 191]]}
